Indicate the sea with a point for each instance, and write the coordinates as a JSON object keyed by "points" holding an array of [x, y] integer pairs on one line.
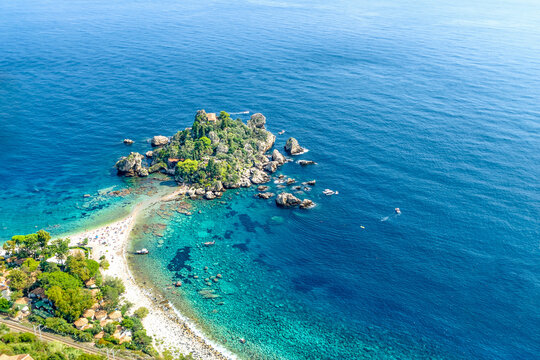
{"points": [[432, 107]]}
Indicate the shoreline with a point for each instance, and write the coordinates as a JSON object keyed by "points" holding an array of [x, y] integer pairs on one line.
{"points": [[169, 328]]}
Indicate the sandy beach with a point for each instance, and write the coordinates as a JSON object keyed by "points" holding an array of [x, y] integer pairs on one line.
{"points": [[169, 329]]}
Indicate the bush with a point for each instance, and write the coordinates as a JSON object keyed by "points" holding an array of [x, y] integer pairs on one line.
{"points": [[141, 312]]}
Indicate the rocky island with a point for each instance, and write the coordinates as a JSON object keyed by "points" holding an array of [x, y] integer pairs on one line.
{"points": [[214, 154]]}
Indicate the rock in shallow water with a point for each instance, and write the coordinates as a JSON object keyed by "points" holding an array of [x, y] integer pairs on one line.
{"points": [[159, 140], [287, 200], [292, 147]]}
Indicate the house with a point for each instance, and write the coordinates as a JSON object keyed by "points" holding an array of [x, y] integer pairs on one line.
{"points": [[16, 357], [37, 293], [100, 315], [211, 117], [91, 283], [115, 315], [81, 323], [89, 314]]}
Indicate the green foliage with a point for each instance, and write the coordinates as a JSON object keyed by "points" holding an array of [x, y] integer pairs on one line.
{"points": [[57, 356], [5, 305], [60, 248], [187, 170], [19, 280], [69, 303], [112, 289], [90, 357], [141, 312], [59, 278], [104, 264], [127, 323], [109, 329], [31, 264]]}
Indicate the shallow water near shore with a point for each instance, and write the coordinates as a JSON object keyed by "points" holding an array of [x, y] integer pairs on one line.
{"points": [[431, 108]]}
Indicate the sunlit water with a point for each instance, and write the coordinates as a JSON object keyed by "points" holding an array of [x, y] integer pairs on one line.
{"points": [[432, 108]]}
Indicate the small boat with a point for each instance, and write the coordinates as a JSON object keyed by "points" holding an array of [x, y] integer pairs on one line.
{"points": [[329, 192], [281, 132], [209, 243], [143, 251], [397, 211]]}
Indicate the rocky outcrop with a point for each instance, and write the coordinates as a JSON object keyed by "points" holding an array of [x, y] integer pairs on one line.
{"points": [[159, 140], [131, 165], [263, 188], [222, 149], [128, 141], [310, 182], [277, 156], [257, 121], [213, 137], [259, 177], [149, 154], [287, 200], [292, 147], [271, 167], [209, 195], [306, 162], [306, 204], [265, 195], [290, 181], [265, 145], [157, 167]]}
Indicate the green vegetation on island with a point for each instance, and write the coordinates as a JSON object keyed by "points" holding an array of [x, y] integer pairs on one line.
{"points": [[215, 152]]}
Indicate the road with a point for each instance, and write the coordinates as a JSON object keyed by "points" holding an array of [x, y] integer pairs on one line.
{"points": [[89, 349]]}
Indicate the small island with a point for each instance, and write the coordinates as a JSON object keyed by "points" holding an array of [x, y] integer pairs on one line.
{"points": [[214, 154]]}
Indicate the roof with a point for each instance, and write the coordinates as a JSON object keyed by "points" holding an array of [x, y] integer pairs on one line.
{"points": [[90, 282], [211, 116], [89, 313], [101, 314], [16, 357], [39, 292], [81, 322], [115, 315], [22, 301]]}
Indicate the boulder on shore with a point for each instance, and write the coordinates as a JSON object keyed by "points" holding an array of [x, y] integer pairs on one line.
{"points": [[149, 154], [292, 147], [159, 140], [131, 165], [287, 200]]}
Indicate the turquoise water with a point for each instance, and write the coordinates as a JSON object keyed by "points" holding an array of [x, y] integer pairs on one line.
{"points": [[430, 107]]}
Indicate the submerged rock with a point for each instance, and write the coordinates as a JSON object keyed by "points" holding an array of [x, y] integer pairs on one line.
{"points": [[159, 140], [306, 162], [287, 200], [128, 141], [263, 187], [292, 147]]}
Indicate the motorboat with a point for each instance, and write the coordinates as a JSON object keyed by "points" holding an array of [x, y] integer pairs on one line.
{"points": [[397, 211], [143, 251]]}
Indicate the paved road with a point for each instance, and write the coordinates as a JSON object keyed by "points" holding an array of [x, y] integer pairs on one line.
{"points": [[15, 326]]}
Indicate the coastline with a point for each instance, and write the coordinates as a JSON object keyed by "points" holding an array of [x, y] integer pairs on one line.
{"points": [[168, 327]]}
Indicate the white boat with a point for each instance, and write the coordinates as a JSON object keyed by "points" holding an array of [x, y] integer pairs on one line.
{"points": [[143, 251], [329, 192]]}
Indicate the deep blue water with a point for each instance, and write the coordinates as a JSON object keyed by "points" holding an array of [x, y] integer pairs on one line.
{"points": [[430, 107]]}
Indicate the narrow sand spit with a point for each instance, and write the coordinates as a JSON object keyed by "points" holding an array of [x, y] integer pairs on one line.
{"points": [[169, 329]]}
